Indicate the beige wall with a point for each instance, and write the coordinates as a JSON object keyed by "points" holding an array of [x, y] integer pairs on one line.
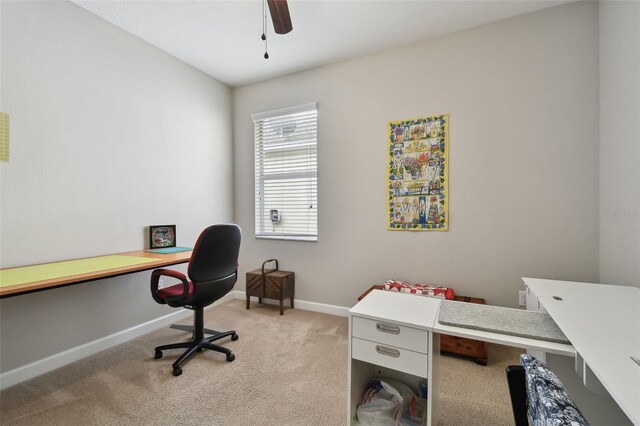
{"points": [[108, 135], [90, 104], [620, 142], [522, 95]]}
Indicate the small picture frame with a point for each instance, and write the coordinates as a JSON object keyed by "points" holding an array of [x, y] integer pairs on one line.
{"points": [[162, 236]]}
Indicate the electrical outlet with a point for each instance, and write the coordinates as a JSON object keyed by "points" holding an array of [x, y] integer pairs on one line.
{"points": [[160, 284], [522, 298]]}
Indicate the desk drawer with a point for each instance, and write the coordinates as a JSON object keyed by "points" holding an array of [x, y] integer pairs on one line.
{"points": [[389, 356], [389, 333]]}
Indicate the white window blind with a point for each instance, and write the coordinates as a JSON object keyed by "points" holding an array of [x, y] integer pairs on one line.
{"points": [[286, 171]]}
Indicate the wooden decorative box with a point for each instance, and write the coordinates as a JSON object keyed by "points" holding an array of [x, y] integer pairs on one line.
{"points": [[271, 284], [452, 344]]}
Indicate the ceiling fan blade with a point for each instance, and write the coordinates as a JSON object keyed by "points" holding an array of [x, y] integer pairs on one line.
{"points": [[280, 16]]}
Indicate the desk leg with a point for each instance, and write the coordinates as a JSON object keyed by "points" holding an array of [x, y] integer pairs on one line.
{"points": [[538, 354], [433, 369], [248, 299], [291, 301], [281, 307]]}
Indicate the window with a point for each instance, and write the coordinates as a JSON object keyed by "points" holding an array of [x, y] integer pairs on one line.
{"points": [[286, 171]]}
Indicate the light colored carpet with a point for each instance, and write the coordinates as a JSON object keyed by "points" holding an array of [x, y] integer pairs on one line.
{"points": [[475, 395], [289, 370]]}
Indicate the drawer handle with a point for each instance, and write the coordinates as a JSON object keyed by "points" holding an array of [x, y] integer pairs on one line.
{"points": [[384, 350], [387, 328]]}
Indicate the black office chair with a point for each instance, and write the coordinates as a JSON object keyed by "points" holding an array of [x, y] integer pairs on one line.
{"points": [[538, 396], [518, 394], [213, 271]]}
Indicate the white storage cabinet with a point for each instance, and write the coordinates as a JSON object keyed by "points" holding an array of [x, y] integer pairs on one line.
{"points": [[390, 336]]}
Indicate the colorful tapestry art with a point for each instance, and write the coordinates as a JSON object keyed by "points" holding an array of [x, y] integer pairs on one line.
{"points": [[418, 180]]}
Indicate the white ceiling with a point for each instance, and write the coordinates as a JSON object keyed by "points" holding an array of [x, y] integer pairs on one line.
{"points": [[222, 38]]}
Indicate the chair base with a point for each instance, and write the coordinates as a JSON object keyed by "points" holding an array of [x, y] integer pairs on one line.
{"points": [[198, 343], [190, 328]]}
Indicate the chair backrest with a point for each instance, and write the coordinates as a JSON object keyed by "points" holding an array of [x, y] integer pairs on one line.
{"points": [[548, 403], [215, 261], [538, 396]]}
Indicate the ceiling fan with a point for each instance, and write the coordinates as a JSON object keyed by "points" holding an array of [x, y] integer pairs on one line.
{"points": [[281, 18]]}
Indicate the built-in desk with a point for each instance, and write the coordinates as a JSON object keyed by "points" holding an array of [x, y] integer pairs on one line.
{"points": [[27, 279]]}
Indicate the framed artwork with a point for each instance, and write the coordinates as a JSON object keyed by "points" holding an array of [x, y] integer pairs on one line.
{"points": [[161, 236], [418, 174], [4, 136]]}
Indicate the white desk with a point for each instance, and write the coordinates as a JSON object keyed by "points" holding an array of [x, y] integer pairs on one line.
{"points": [[603, 324], [397, 335], [390, 336]]}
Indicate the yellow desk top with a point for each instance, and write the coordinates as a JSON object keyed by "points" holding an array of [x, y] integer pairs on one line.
{"points": [[25, 279]]}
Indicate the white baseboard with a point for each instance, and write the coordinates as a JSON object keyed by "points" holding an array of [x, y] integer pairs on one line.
{"points": [[42, 366], [304, 305]]}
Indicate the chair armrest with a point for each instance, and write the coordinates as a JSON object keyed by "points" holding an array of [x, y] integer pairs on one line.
{"points": [[155, 280]]}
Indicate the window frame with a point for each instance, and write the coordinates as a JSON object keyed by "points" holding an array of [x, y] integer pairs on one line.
{"points": [[259, 182]]}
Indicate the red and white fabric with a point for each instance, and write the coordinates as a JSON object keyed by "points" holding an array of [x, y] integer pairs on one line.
{"points": [[419, 289]]}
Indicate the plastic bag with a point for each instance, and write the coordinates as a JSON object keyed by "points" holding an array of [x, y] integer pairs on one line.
{"points": [[380, 402], [412, 412]]}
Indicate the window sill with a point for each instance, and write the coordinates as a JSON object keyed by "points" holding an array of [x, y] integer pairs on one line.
{"points": [[287, 237]]}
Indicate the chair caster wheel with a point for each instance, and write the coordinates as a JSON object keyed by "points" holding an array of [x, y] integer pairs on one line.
{"points": [[234, 337], [158, 355], [177, 371], [230, 357]]}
